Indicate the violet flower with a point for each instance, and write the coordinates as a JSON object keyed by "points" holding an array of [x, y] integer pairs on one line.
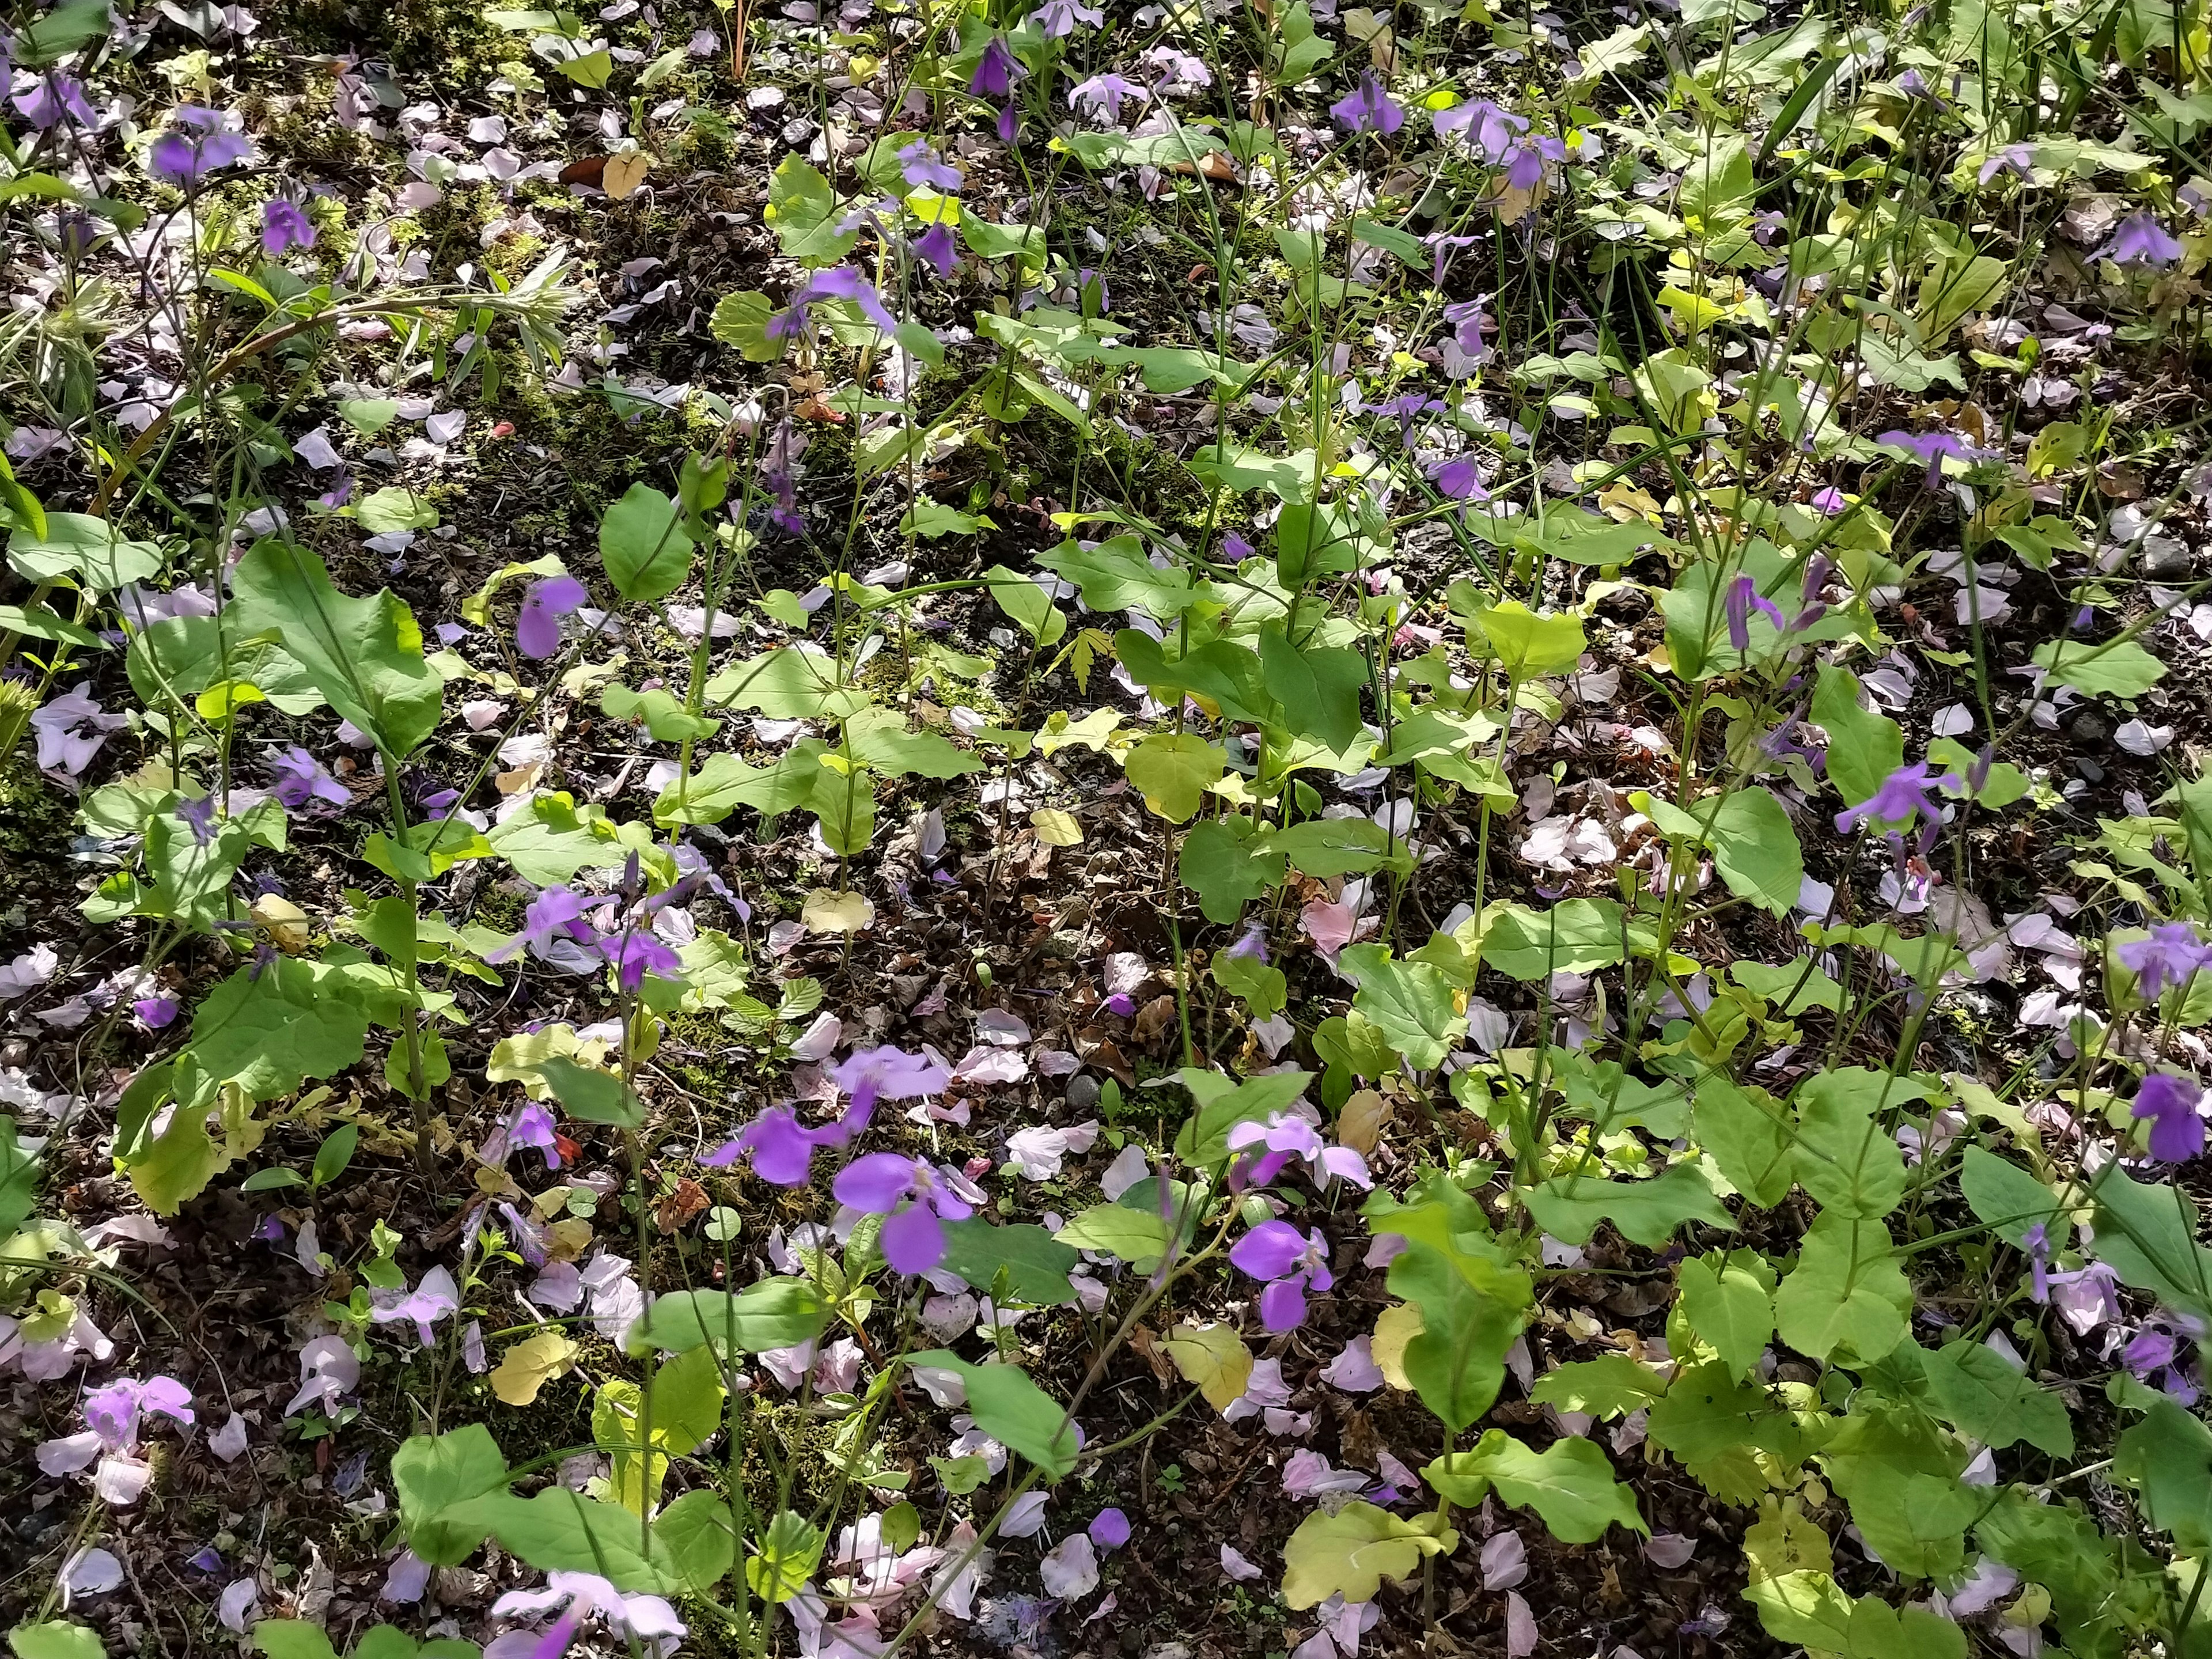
{"points": [[1459, 479], [196, 147], [284, 225], [920, 165], [1287, 1136], [533, 1127], [1903, 795], [553, 920], [537, 627], [425, 1305], [72, 728], [47, 101], [782, 1152], [914, 1201], [936, 248], [1489, 129], [1525, 161], [1057, 19], [886, 1073], [1107, 91], [113, 1415], [1009, 124], [2170, 956], [635, 952], [2036, 1241], [1931, 447], [995, 70], [301, 778], [838, 282], [1290, 1264], [1467, 317], [2177, 1128], [1109, 1529], [2018, 160], [154, 1013], [2140, 240], [1368, 108], [648, 1619], [1743, 597]]}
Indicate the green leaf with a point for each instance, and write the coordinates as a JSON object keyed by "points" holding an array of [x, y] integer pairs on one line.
{"points": [[37, 623], [1028, 606], [1570, 1484], [1116, 576], [1805, 1609], [1351, 1553], [2009, 1200], [2121, 669], [88, 552], [335, 1153], [2148, 1236], [1323, 848], [803, 209], [1226, 861], [661, 713], [1983, 1394], [1264, 988], [789, 1551], [880, 738], [1222, 671], [1847, 1292], [393, 509], [1749, 1136], [1900, 1473], [1611, 1385], [1755, 845], [1577, 936], [644, 545], [740, 322], [553, 838], [1845, 1156], [771, 1313], [1203, 1141], [1527, 645], [1863, 748], [1729, 1307], [364, 655], [19, 1180], [1013, 1411], [1318, 686], [693, 1542], [1411, 1003], [269, 1029], [432, 1473], [2167, 1458], [1473, 1305], [292, 1639], [590, 1095], [1034, 1263], [57, 1639], [788, 684], [1134, 1236], [1878, 1630], [1173, 770], [1647, 1212]]}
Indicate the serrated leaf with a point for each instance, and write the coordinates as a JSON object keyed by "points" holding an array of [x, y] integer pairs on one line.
{"points": [[1351, 1553], [1570, 1484]]}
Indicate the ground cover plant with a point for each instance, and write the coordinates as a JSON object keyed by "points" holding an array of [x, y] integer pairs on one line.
{"points": [[1226, 828]]}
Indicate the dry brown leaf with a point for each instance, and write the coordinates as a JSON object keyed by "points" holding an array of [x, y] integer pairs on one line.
{"points": [[1360, 1122], [624, 174]]}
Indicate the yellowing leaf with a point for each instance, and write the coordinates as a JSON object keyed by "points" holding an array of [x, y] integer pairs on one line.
{"points": [[1055, 827], [838, 913], [1214, 1357], [530, 1364], [624, 174], [287, 923], [1396, 1328], [1354, 1551], [226, 697], [1360, 1123]]}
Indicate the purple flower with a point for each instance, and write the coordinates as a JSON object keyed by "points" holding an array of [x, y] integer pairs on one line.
{"points": [[2036, 1241], [301, 778], [1744, 598], [1525, 161], [1106, 92], [782, 1152], [635, 952], [1368, 109], [154, 1013], [1931, 447], [1460, 479], [537, 627], [425, 1305], [553, 919], [1903, 795], [1290, 1264], [284, 225], [1467, 317], [2170, 956], [2018, 159], [112, 1412], [1109, 1529], [1009, 125], [1057, 18], [2141, 240], [1121, 1003], [647, 1622], [196, 147], [1830, 501], [935, 247], [1286, 1136], [199, 816], [995, 70], [2176, 1131], [873, 1074], [838, 282], [72, 728], [1490, 130], [914, 1201], [47, 101], [533, 1127], [207, 1561], [920, 165]]}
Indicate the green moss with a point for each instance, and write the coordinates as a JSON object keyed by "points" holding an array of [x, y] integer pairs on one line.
{"points": [[37, 821]]}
